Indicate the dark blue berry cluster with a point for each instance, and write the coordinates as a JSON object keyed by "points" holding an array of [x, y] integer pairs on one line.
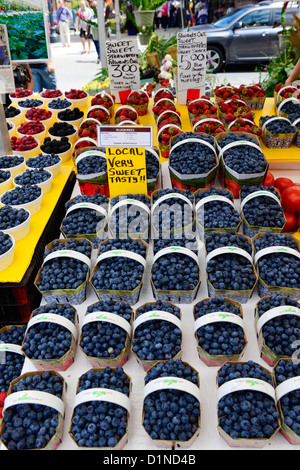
{"points": [[55, 146], [104, 339], [5, 243], [30, 103], [43, 161], [4, 176], [34, 176], [119, 273], [31, 426], [290, 402], [193, 158], [231, 137], [245, 159], [278, 126], [70, 114], [262, 211], [173, 213], [152, 165], [100, 423], [61, 129], [280, 333], [289, 107], [171, 414], [12, 217], [21, 195], [219, 239], [49, 340], [59, 104], [247, 414], [10, 161], [157, 339], [219, 338], [11, 112], [216, 214], [91, 164], [11, 366], [130, 219], [186, 240]]}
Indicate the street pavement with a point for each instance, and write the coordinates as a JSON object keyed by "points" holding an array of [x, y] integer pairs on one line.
{"points": [[74, 70]]}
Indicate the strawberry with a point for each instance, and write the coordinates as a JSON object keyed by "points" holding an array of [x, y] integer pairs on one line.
{"points": [[3, 395]]}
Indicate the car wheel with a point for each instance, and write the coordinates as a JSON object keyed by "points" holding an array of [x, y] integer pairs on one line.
{"points": [[215, 59]]}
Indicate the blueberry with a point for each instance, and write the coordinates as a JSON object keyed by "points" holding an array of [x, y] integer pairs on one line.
{"points": [[43, 161], [10, 161], [4, 176], [174, 213], [12, 217], [30, 103], [262, 211], [286, 369], [59, 104], [21, 195], [130, 219], [11, 367], [5, 243], [152, 165], [34, 176], [91, 164]]}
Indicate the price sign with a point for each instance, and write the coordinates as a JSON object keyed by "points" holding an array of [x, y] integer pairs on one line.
{"points": [[125, 136], [123, 65], [191, 62], [126, 170]]}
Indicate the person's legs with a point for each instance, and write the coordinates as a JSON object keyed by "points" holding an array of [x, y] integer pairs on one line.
{"points": [[37, 84], [68, 34], [62, 33], [82, 36], [48, 79]]}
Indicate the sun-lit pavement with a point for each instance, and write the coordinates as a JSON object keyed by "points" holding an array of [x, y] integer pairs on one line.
{"points": [[74, 70]]}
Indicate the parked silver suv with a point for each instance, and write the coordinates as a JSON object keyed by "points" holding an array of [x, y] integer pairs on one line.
{"points": [[246, 35]]}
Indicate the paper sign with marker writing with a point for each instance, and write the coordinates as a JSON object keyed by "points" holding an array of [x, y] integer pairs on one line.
{"points": [[126, 170]]}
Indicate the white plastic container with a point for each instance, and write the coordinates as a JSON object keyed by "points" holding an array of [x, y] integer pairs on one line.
{"points": [[56, 111], [15, 170], [54, 169], [45, 185], [40, 136], [47, 100], [33, 206], [29, 153], [72, 138], [80, 103], [6, 185], [20, 231], [7, 258]]}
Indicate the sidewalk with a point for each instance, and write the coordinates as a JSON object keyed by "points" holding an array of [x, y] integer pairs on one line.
{"points": [[74, 70]]}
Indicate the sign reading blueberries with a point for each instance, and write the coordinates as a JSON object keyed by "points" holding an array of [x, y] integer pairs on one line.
{"points": [[126, 170], [123, 65], [191, 62]]}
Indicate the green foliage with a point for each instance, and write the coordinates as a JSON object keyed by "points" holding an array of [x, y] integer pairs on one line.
{"points": [[16, 5], [147, 4]]}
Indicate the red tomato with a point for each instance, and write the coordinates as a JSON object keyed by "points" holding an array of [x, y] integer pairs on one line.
{"points": [[290, 199], [298, 220], [270, 180], [281, 183], [291, 222]]}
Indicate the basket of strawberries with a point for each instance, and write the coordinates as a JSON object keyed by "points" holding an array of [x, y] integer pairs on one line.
{"points": [[126, 113], [253, 95], [88, 128], [104, 99], [245, 125], [164, 136], [139, 100], [232, 109], [162, 105], [168, 117], [225, 92], [163, 93], [282, 92], [201, 107], [210, 126], [100, 113]]}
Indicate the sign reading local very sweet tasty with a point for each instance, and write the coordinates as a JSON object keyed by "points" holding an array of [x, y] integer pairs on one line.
{"points": [[191, 61], [123, 65]]}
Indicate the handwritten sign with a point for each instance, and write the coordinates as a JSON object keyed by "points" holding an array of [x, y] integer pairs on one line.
{"points": [[126, 170], [123, 65], [191, 62]]}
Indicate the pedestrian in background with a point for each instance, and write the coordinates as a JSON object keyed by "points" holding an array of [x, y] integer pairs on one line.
{"points": [[84, 13], [43, 75], [164, 13], [64, 16]]}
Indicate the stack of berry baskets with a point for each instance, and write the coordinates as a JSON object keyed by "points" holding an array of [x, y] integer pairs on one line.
{"points": [[164, 136], [82, 144], [272, 250], [104, 99], [163, 93], [153, 169], [225, 92], [210, 126], [253, 95], [233, 169], [105, 286], [162, 105], [201, 108], [296, 124], [168, 117], [139, 100], [204, 162], [126, 114], [244, 125], [277, 131], [62, 251], [232, 109], [282, 92], [91, 171], [99, 113], [225, 201], [96, 318]]}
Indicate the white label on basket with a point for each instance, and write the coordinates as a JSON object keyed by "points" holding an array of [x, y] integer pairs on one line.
{"points": [[167, 112], [238, 143], [172, 383], [286, 101], [107, 317], [229, 250], [170, 196], [289, 385], [257, 194], [245, 383], [217, 317], [276, 312], [102, 394], [35, 397], [276, 249], [53, 318], [68, 254], [157, 315], [87, 205], [133, 202], [276, 118], [176, 249], [192, 139], [212, 198], [121, 253], [10, 347]]}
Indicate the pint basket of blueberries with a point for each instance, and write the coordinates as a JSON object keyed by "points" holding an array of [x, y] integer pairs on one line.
{"points": [[106, 333], [119, 270], [63, 276], [261, 210], [91, 171], [43, 417], [287, 375], [241, 162], [230, 270], [7, 250], [193, 161], [157, 333], [246, 391], [277, 259], [57, 325], [219, 330], [153, 169], [215, 210], [101, 410], [277, 131], [172, 390], [277, 313]]}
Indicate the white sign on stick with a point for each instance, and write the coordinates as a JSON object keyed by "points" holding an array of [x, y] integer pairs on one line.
{"points": [[123, 66], [191, 62]]}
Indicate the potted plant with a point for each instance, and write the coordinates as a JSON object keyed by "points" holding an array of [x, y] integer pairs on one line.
{"points": [[289, 29], [143, 17]]}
